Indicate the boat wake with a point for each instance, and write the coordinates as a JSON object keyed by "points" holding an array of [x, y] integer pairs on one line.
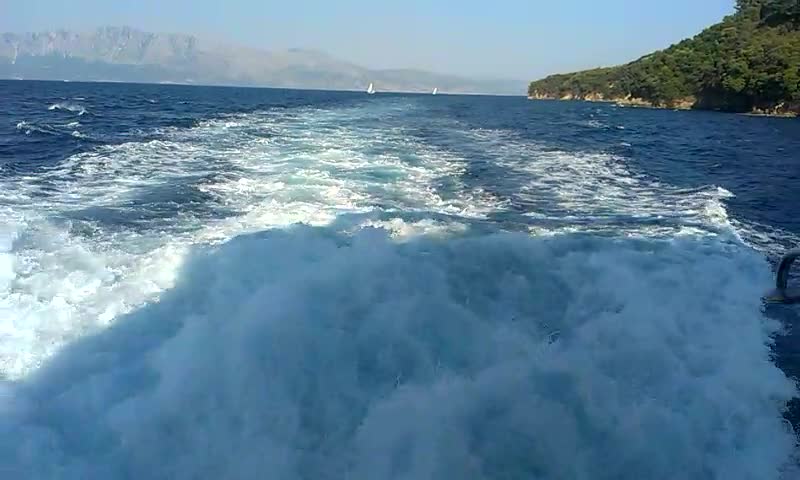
{"points": [[315, 355], [315, 293]]}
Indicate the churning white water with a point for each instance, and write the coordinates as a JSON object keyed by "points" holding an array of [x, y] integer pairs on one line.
{"points": [[304, 294]]}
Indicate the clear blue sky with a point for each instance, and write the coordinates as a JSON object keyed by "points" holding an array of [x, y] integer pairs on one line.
{"points": [[507, 38]]}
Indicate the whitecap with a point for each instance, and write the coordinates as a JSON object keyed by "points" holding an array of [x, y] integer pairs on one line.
{"points": [[69, 106]]}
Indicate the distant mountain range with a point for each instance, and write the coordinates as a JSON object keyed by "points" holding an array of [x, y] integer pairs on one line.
{"points": [[130, 55]]}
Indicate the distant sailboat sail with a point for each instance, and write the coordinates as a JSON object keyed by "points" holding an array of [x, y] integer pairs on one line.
{"points": [[435, 91], [370, 89]]}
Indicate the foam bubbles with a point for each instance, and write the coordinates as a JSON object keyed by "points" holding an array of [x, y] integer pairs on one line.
{"points": [[25, 127], [29, 128], [403, 230], [141, 335], [359, 357], [106, 230], [564, 192], [6, 259], [68, 106]]}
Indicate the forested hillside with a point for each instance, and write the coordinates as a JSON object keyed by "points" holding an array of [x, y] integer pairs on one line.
{"points": [[750, 62]]}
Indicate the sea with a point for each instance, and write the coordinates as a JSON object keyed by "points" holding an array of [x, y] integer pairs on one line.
{"points": [[239, 283]]}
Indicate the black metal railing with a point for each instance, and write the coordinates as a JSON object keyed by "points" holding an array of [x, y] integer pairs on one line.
{"points": [[784, 293]]}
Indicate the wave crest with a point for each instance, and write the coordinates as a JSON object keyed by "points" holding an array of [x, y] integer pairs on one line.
{"points": [[68, 106]]}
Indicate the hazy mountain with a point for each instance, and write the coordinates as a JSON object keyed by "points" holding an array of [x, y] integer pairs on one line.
{"points": [[128, 54]]}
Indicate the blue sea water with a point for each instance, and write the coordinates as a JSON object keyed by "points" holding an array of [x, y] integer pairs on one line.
{"points": [[203, 282]]}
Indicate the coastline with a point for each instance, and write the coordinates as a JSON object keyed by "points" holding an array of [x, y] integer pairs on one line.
{"points": [[688, 103]]}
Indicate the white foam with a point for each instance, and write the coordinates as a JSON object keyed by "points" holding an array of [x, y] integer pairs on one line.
{"points": [[403, 230], [25, 127], [594, 123], [270, 169], [69, 106], [44, 128], [600, 193], [6, 257], [283, 168], [394, 350], [311, 356]]}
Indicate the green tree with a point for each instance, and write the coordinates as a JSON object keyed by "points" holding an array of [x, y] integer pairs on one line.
{"points": [[749, 60]]}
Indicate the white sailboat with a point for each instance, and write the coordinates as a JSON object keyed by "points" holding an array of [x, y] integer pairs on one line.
{"points": [[435, 91], [371, 88]]}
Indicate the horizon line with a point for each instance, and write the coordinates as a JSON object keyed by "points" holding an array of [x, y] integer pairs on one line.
{"points": [[264, 87]]}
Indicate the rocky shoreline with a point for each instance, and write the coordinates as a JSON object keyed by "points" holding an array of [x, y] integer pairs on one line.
{"points": [[782, 110]]}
